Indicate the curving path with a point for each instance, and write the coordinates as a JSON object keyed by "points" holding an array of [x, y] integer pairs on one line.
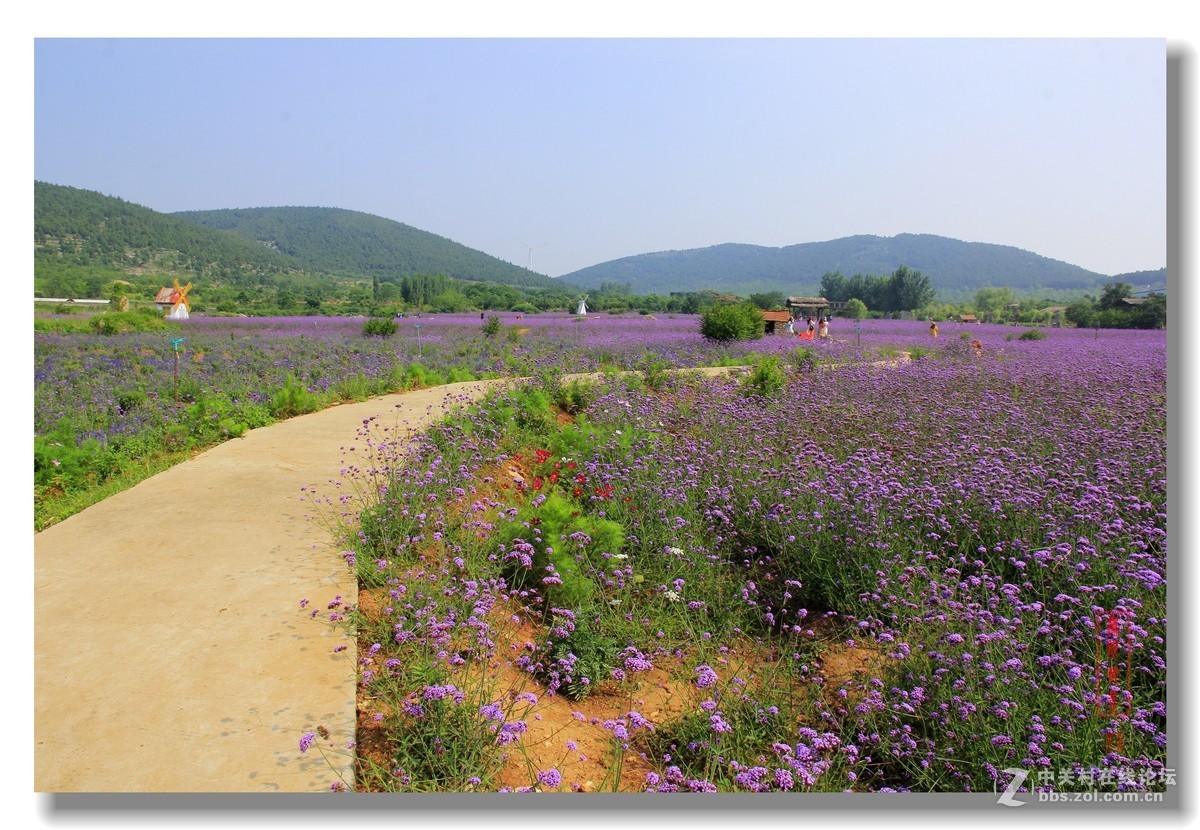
{"points": [[171, 652]]}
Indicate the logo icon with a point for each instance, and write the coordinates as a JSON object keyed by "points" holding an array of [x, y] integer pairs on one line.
{"points": [[1018, 778]]}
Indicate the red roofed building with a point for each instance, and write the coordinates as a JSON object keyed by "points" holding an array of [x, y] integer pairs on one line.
{"points": [[776, 321]]}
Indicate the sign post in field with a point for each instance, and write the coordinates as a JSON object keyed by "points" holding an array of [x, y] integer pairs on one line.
{"points": [[175, 341]]}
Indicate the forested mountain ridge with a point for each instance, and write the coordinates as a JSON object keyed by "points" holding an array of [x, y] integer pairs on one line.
{"points": [[955, 267], [78, 234], [84, 241], [348, 242]]}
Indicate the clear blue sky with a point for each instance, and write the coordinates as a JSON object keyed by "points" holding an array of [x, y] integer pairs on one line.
{"points": [[590, 149]]}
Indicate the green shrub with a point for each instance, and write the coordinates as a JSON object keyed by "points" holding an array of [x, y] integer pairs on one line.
{"points": [[491, 326], [855, 308], [592, 656], [130, 398], [1032, 334], [725, 322], [553, 533], [656, 372], [766, 379], [379, 327], [293, 399]]}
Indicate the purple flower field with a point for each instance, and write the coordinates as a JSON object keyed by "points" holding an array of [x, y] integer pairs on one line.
{"points": [[892, 575]]}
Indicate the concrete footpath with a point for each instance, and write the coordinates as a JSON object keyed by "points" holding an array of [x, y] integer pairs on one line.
{"points": [[171, 652]]}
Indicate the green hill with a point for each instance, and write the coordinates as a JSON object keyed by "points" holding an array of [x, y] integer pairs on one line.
{"points": [[263, 260], [956, 268], [83, 240], [350, 243]]}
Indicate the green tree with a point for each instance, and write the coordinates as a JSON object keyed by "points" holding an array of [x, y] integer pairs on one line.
{"points": [[769, 301], [855, 308], [834, 287], [909, 289], [727, 321], [992, 302], [1113, 294], [1082, 313]]}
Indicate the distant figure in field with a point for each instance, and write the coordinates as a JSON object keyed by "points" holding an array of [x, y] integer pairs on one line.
{"points": [[812, 328], [933, 330], [823, 329], [791, 326], [977, 348]]}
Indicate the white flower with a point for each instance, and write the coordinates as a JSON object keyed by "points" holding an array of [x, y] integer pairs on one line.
{"points": [[675, 551], [671, 595], [620, 557]]}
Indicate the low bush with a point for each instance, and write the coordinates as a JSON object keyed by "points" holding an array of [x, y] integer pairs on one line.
{"points": [[766, 379], [725, 322], [379, 327]]}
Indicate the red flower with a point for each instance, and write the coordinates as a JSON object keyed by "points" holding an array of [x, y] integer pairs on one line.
{"points": [[537, 482]]}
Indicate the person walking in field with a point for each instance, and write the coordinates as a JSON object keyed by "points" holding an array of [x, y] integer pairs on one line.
{"points": [[933, 330]]}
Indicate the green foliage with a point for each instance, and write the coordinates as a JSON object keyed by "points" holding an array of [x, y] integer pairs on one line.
{"points": [[656, 372], [767, 378], [348, 242], [904, 290], [1087, 313], [803, 358], [594, 657], [1113, 295], [557, 539], [726, 322], [379, 327], [769, 300], [293, 399], [855, 308], [491, 326], [1032, 334], [107, 322], [573, 397]]}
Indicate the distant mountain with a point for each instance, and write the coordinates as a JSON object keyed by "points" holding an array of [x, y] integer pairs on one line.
{"points": [[1143, 280], [83, 240], [84, 231], [954, 267], [347, 242]]}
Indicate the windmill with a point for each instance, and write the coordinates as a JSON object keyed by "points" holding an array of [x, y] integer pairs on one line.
{"points": [[531, 249], [179, 307], [582, 309]]}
